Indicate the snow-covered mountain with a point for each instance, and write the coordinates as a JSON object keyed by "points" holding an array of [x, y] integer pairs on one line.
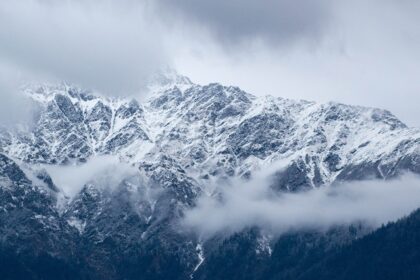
{"points": [[213, 130], [182, 139]]}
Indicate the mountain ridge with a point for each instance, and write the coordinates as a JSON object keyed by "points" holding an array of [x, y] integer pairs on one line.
{"points": [[211, 122]]}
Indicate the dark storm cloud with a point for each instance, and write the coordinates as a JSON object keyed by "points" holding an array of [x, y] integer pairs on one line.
{"points": [[241, 21]]}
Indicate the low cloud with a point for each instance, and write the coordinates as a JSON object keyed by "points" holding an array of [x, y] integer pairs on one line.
{"points": [[246, 204], [103, 171]]}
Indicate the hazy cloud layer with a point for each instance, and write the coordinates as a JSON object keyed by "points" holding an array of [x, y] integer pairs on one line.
{"points": [[254, 204], [112, 46]]}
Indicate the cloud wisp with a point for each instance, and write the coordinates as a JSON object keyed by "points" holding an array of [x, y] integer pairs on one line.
{"points": [[103, 171], [247, 204]]}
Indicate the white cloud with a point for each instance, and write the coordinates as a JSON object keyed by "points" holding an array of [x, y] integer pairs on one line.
{"points": [[247, 204], [103, 171]]}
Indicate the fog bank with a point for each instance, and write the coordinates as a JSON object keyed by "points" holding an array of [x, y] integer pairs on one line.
{"points": [[247, 204]]}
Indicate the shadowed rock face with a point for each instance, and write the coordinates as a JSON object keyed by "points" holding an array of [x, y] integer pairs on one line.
{"points": [[68, 109], [184, 137]]}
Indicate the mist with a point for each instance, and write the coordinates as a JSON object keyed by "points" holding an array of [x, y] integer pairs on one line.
{"points": [[240, 205], [103, 171]]}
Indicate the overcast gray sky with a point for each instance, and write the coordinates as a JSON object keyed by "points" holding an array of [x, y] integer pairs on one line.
{"points": [[362, 52]]}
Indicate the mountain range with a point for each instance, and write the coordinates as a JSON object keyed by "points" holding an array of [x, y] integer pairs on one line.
{"points": [[180, 143]]}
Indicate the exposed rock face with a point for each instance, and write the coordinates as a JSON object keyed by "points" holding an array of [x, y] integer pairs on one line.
{"points": [[182, 139]]}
